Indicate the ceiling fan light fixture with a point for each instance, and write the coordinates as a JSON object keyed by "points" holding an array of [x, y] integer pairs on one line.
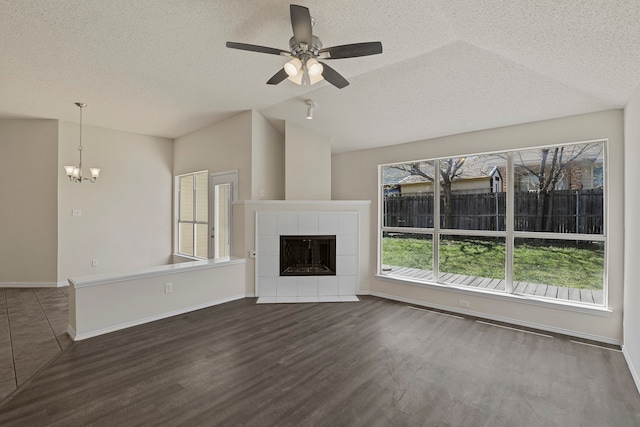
{"points": [[315, 68], [293, 67], [297, 79]]}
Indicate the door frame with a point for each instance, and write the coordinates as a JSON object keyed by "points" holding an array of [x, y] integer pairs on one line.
{"points": [[233, 180]]}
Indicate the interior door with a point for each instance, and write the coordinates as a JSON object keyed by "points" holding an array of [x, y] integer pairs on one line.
{"points": [[223, 191]]}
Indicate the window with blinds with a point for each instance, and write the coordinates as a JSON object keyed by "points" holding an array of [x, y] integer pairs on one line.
{"points": [[193, 215]]}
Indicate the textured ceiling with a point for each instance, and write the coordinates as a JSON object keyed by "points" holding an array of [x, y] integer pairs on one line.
{"points": [[160, 67]]}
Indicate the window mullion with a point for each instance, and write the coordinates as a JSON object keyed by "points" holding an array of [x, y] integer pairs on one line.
{"points": [[436, 222], [509, 225], [195, 210]]}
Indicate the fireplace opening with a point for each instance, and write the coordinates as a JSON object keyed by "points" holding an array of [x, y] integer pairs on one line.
{"points": [[307, 255]]}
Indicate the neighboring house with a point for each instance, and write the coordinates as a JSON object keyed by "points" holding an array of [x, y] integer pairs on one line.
{"points": [[584, 176], [475, 177], [481, 174]]}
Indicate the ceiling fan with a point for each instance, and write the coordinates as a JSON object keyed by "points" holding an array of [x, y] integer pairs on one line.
{"points": [[305, 50]]}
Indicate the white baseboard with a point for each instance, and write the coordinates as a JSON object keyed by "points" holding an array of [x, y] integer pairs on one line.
{"points": [[632, 368], [547, 328], [29, 284], [251, 295], [89, 334]]}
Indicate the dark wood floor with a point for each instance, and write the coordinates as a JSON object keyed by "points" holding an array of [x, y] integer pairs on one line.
{"points": [[371, 363], [33, 331]]}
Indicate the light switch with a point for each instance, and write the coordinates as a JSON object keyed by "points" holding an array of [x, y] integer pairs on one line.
{"points": [[76, 212]]}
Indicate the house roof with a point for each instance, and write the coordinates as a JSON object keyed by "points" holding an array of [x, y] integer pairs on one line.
{"points": [[474, 167], [160, 67]]}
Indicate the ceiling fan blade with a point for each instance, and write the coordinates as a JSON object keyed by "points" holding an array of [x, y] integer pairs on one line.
{"points": [[333, 77], [256, 48], [301, 24], [278, 77], [351, 50]]}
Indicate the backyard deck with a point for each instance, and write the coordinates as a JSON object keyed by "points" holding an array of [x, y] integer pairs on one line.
{"points": [[547, 291]]}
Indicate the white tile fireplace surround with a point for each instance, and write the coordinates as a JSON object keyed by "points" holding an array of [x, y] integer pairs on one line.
{"points": [[271, 287]]}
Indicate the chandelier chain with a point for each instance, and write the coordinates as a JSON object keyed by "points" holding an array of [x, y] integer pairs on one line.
{"points": [[80, 146]]}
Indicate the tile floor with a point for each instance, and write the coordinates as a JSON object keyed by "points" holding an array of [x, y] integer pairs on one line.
{"points": [[33, 331]]}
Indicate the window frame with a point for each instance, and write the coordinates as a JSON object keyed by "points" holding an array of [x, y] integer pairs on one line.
{"points": [[509, 234], [178, 221]]}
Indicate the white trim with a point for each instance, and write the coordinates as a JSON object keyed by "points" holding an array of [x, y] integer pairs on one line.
{"points": [[186, 258], [503, 296], [71, 332], [632, 368], [182, 267], [256, 273], [509, 242], [560, 144], [30, 284], [233, 182], [97, 332], [235, 186], [541, 327]]}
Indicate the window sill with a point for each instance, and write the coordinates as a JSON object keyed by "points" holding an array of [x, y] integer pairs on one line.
{"points": [[595, 310], [178, 258]]}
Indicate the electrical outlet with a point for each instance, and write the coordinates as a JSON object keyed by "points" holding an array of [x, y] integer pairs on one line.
{"points": [[168, 288], [94, 262], [463, 303], [76, 212]]}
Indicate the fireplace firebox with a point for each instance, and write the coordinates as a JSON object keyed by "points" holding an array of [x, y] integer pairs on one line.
{"points": [[307, 255]]}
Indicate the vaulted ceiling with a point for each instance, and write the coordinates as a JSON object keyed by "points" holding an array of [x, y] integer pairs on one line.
{"points": [[160, 67]]}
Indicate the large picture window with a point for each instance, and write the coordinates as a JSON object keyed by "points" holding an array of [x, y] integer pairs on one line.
{"points": [[528, 222], [193, 215]]}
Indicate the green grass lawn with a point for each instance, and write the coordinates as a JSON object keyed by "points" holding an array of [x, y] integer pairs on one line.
{"points": [[549, 264]]}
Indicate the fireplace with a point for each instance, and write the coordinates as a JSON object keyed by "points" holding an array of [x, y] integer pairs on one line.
{"points": [[308, 255]]}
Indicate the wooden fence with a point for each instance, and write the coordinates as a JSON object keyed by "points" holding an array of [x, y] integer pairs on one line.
{"points": [[572, 211]]}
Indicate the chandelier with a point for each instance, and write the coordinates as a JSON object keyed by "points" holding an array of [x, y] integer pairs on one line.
{"points": [[75, 172]]}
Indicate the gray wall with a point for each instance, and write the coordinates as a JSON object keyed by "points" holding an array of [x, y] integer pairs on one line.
{"points": [[632, 235], [126, 214], [28, 202]]}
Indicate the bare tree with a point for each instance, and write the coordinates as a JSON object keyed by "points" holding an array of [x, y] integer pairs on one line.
{"points": [[548, 171], [450, 169]]}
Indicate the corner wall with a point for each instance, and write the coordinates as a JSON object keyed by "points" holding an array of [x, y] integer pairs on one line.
{"points": [[307, 164], [632, 235], [267, 160], [28, 195], [126, 215], [223, 146], [355, 176]]}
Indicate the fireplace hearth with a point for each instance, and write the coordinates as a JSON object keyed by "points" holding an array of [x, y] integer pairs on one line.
{"points": [[308, 255]]}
